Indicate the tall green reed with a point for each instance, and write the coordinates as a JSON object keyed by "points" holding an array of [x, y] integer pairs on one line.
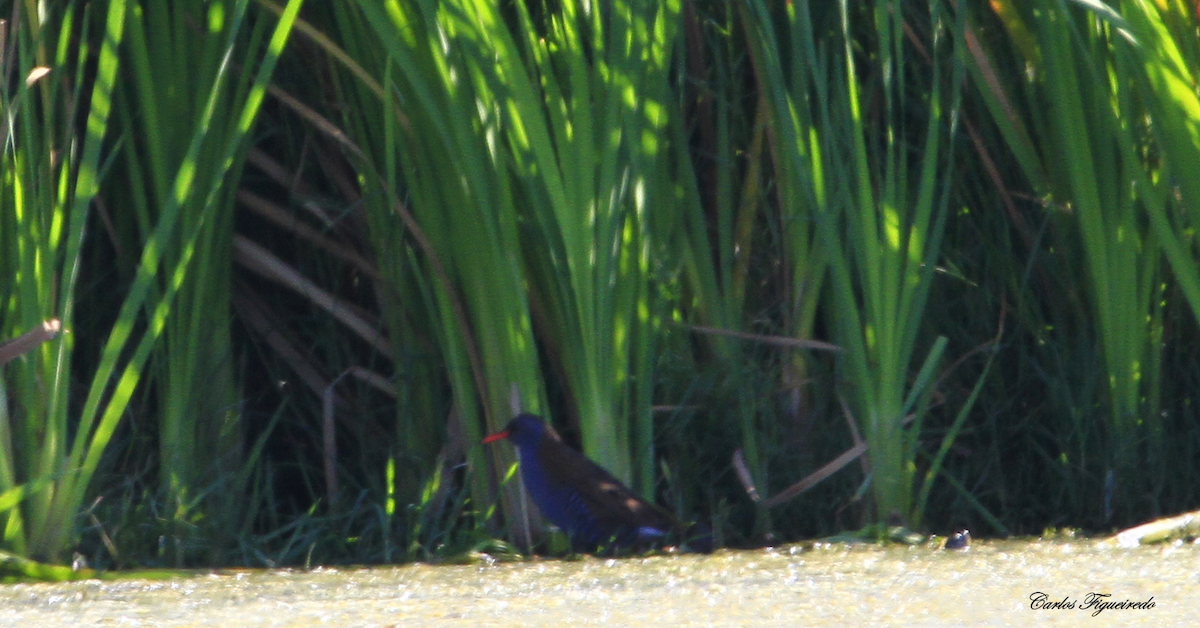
{"points": [[178, 160], [788, 76], [529, 147], [875, 221], [1091, 151], [56, 116], [48, 195], [443, 216], [588, 103], [1166, 64]]}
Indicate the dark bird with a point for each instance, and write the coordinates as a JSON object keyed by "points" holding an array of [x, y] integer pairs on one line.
{"points": [[595, 510], [959, 540]]}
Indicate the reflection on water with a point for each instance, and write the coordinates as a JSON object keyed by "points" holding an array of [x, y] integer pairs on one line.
{"points": [[990, 584]]}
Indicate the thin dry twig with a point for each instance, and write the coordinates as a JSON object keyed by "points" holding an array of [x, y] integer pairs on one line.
{"points": [[29, 340], [817, 476], [781, 341], [262, 262]]}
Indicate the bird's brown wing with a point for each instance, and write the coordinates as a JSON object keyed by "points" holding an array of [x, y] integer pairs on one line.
{"points": [[613, 505]]}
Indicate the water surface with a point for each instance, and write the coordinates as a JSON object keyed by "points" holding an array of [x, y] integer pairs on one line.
{"points": [[990, 584]]}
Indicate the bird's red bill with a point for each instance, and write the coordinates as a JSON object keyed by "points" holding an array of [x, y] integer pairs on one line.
{"points": [[491, 438]]}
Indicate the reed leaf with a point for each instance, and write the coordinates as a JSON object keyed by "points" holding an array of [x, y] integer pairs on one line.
{"points": [[50, 177], [884, 233], [1093, 160]]}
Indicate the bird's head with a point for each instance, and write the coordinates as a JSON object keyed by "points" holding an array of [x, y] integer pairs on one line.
{"points": [[526, 430]]}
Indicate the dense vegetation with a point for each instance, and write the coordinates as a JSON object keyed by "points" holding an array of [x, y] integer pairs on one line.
{"points": [[306, 256]]}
